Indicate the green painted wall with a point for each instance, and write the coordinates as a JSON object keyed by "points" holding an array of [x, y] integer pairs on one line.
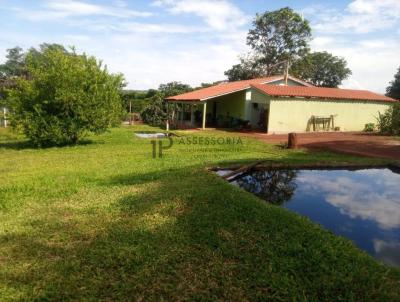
{"points": [[239, 104], [232, 104], [290, 114]]}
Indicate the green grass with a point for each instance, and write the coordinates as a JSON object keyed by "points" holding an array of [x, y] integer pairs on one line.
{"points": [[106, 221]]}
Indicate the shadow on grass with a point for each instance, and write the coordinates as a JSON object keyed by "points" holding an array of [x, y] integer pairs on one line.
{"points": [[190, 236], [26, 144]]}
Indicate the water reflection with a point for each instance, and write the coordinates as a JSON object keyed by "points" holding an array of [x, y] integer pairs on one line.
{"points": [[276, 186], [367, 194], [388, 252], [363, 205]]}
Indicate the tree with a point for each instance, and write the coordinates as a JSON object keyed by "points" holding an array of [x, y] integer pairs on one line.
{"points": [[389, 121], [155, 113], [205, 85], [150, 93], [321, 69], [134, 100], [248, 68], [173, 88], [65, 97], [283, 36], [394, 89], [14, 65], [278, 36]]}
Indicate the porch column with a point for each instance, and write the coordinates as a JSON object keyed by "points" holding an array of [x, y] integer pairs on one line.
{"points": [[192, 115], [167, 121], [203, 125]]}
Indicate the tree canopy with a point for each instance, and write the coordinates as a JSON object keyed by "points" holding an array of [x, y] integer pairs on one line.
{"points": [[14, 65], [66, 96], [248, 68], [277, 36], [173, 88], [281, 37], [321, 69], [393, 90]]}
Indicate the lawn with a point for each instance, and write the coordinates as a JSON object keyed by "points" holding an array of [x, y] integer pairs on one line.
{"points": [[104, 220]]}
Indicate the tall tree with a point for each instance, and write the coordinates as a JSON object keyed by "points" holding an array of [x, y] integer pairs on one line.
{"points": [[278, 36], [321, 69], [394, 88]]}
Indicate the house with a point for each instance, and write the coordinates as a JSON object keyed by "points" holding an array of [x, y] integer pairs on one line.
{"points": [[276, 104]]}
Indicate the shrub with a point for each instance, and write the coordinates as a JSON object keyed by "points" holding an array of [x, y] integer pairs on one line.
{"points": [[389, 121], [370, 127], [65, 97]]}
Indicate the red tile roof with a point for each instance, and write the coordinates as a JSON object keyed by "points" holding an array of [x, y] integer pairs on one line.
{"points": [[226, 88], [320, 92]]}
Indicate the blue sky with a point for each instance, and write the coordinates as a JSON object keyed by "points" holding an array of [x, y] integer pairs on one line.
{"points": [[194, 41]]}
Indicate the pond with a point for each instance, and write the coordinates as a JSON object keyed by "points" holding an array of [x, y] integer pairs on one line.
{"points": [[362, 205]]}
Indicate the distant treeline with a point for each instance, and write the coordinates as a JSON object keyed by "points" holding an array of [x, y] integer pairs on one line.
{"points": [[139, 99]]}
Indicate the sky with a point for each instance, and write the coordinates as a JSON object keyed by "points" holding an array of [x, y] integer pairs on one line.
{"points": [[195, 41]]}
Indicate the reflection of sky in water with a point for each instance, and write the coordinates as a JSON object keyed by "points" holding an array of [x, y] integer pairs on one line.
{"points": [[362, 205]]}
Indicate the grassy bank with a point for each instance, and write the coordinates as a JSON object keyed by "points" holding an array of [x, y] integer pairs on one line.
{"points": [[106, 221]]}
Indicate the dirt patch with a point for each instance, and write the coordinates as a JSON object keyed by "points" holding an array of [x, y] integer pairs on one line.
{"points": [[357, 143]]}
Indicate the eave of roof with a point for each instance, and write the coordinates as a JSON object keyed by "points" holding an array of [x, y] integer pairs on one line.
{"points": [[322, 93], [204, 94]]}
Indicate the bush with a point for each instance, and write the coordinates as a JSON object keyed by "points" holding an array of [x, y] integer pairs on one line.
{"points": [[155, 114], [389, 121], [65, 97], [370, 127]]}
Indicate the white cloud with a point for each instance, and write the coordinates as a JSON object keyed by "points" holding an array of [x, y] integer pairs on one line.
{"points": [[360, 16], [58, 9], [152, 62], [218, 14], [173, 44], [166, 28], [364, 34], [372, 61], [146, 53]]}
